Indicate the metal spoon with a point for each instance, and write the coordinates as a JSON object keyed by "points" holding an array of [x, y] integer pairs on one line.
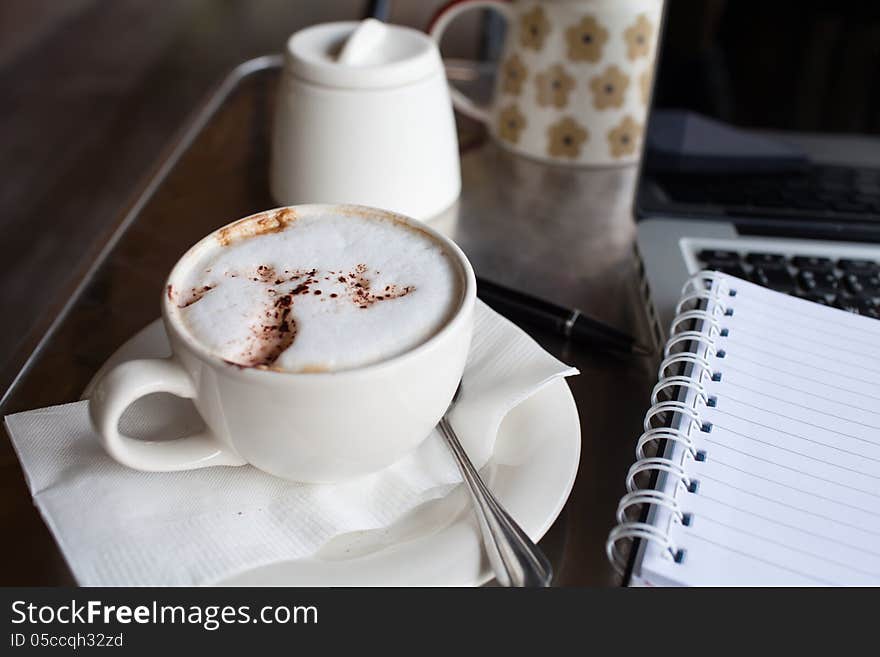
{"points": [[516, 560]]}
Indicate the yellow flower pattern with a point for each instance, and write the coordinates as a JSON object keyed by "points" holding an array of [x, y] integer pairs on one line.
{"points": [[639, 37], [566, 137], [511, 122], [571, 81], [554, 86], [533, 28], [513, 74], [609, 88], [624, 138], [586, 40]]}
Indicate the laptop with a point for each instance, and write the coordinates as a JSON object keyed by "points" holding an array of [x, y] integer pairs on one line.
{"points": [[761, 156]]}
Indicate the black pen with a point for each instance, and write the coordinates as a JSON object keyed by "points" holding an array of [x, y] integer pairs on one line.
{"points": [[572, 324]]}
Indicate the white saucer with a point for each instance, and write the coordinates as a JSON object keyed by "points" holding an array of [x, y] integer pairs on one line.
{"points": [[438, 544]]}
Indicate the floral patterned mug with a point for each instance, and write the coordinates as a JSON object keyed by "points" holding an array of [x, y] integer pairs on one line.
{"points": [[574, 77]]}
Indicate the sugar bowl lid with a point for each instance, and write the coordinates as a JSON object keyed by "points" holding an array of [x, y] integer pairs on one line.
{"points": [[362, 55]]}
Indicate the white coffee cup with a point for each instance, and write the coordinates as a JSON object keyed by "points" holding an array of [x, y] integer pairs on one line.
{"points": [[363, 116], [310, 427]]}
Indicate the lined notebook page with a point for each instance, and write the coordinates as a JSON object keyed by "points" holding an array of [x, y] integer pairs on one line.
{"points": [[789, 491]]}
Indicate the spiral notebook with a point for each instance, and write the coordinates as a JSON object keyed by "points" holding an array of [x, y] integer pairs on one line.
{"points": [[760, 460]]}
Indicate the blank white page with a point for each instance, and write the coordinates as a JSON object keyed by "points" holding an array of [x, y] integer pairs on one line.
{"points": [[789, 491]]}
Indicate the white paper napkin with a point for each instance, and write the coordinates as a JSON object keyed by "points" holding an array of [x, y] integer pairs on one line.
{"points": [[120, 527]]}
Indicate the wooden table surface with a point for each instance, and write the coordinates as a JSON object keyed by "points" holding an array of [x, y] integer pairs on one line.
{"points": [[561, 233]]}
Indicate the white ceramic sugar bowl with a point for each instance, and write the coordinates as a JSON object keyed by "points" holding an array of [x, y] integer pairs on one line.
{"points": [[364, 116]]}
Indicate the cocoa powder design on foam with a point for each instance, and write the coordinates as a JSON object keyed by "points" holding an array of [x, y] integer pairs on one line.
{"points": [[276, 329], [274, 221], [360, 288]]}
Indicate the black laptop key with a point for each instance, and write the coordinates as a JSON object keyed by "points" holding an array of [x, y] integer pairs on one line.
{"points": [[766, 259], [776, 278], [732, 268], [863, 285], [866, 307], [867, 175], [847, 303], [829, 197], [812, 262], [718, 255], [817, 281], [872, 202], [833, 172], [857, 265], [869, 308], [815, 298], [796, 183], [815, 204], [729, 196], [834, 177], [867, 197], [769, 200], [868, 182], [851, 207], [834, 184], [687, 192]]}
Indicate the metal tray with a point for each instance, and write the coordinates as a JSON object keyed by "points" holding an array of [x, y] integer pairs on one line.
{"points": [[558, 232]]}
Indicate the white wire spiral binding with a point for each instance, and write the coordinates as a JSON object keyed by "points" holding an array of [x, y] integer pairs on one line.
{"points": [[676, 407], [689, 336], [701, 295], [664, 433], [677, 382], [695, 314], [648, 496], [631, 531], [712, 330], [707, 277], [652, 464], [686, 357], [704, 286]]}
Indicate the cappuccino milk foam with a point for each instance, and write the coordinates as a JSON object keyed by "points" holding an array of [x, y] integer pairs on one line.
{"points": [[326, 291]]}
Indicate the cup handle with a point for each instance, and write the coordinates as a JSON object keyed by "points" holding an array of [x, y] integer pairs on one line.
{"points": [[132, 380], [438, 26]]}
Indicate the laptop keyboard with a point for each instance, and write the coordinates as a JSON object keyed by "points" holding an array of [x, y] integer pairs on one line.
{"points": [[849, 284], [825, 191]]}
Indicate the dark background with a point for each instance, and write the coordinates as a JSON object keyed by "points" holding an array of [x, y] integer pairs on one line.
{"points": [[802, 65]]}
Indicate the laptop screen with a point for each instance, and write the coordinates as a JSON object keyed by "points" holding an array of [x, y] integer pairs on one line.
{"points": [[753, 100]]}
